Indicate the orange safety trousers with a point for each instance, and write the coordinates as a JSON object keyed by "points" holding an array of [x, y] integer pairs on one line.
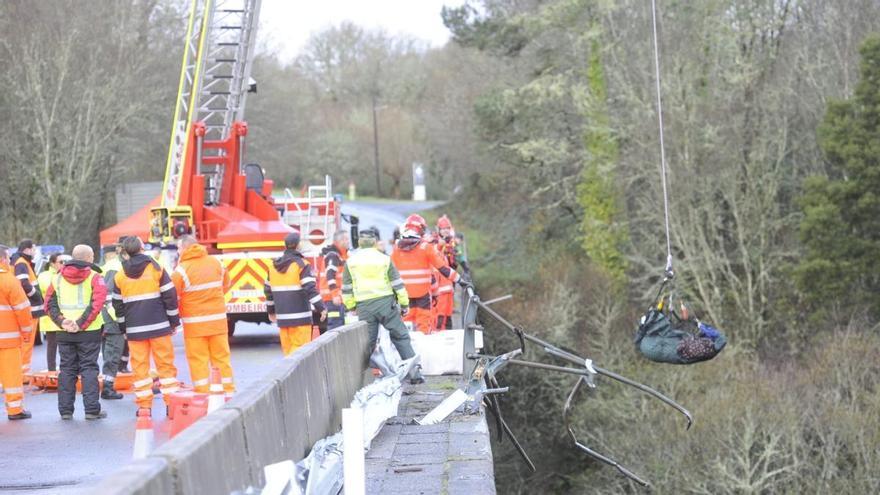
{"points": [[27, 348], [422, 318], [292, 338], [162, 350], [10, 378], [203, 352]]}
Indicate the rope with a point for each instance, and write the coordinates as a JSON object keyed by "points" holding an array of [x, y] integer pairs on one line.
{"points": [[662, 144]]}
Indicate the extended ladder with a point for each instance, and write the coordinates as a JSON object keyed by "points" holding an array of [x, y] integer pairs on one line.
{"points": [[214, 81]]}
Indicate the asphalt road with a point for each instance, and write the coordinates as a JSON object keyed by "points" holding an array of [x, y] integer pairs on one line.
{"points": [[46, 455], [385, 216]]}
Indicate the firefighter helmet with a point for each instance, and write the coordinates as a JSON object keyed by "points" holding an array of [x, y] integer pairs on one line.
{"points": [[417, 223], [444, 223]]}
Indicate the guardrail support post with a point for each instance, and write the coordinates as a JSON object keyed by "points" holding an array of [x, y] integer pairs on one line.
{"points": [[469, 323]]}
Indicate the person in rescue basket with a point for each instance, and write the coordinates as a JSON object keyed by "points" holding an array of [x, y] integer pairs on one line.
{"points": [[145, 302], [201, 284], [44, 280], [74, 301], [15, 328], [290, 293], [23, 263]]}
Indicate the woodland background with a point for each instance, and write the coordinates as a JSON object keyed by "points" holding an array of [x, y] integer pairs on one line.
{"points": [[537, 122]]}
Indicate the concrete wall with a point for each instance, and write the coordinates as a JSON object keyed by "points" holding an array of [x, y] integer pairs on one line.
{"points": [[298, 403]]}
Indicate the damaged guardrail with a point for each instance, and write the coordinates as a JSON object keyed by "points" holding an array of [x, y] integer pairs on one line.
{"points": [[483, 388]]}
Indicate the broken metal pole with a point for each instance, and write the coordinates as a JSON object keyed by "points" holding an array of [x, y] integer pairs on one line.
{"points": [[581, 361]]}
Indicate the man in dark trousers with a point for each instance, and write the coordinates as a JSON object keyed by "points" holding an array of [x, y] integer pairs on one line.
{"points": [[114, 342], [74, 302]]}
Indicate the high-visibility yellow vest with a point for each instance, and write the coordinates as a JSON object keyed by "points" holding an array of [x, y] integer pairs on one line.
{"points": [[114, 265], [369, 274], [44, 280], [73, 300]]}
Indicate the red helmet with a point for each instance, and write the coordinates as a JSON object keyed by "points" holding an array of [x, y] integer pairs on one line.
{"points": [[444, 223], [417, 223]]}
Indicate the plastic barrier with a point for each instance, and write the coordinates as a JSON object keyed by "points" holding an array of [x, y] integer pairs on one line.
{"points": [[299, 402], [186, 408]]}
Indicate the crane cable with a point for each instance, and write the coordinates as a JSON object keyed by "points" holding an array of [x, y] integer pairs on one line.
{"points": [[669, 272]]}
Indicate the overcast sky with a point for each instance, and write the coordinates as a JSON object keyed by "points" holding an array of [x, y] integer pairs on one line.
{"points": [[287, 24]]}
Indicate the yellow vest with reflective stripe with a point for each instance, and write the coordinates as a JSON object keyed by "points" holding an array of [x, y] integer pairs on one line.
{"points": [[73, 300], [369, 274], [111, 266], [44, 279]]}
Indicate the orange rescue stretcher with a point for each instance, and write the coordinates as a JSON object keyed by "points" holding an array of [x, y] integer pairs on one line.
{"points": [[48, 380]]}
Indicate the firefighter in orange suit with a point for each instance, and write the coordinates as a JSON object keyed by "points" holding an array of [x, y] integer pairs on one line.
{"points": [[23, 263], [145, 302], [290, 294], [201, 283], [446, 244], [15, 328], [414, 259], [331, 283]]}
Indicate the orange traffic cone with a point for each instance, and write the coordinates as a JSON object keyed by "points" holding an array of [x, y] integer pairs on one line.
{"points": [[143, 434], [217, 397]]}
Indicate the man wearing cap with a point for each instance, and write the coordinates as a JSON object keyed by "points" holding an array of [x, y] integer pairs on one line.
{"points": [[23, 264], [372, 286], [44, 280], [114, 343], [290, 294]]}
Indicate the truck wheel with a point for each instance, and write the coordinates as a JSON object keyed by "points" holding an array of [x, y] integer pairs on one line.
{"points": [[230, 325], [38, 338]]}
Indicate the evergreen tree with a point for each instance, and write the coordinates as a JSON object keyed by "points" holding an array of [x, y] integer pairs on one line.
{"points": [[841, 224]]}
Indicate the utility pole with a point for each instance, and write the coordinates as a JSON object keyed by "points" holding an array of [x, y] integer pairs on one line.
{"points": [[376, 150]]}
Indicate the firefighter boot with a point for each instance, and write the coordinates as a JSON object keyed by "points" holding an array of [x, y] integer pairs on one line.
{"points": [[21, 415], [109, 393]]}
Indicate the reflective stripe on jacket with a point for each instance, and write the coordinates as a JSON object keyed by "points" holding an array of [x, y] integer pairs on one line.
{"points": [[24, 272], [291, 294], [370, 274], [201, 284], [331, 276], [44, 281], [75, 301], [146, 306], [415, 267], [110, 268], [15, 309]]}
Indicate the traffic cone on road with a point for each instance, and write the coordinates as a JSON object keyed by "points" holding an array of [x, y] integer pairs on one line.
{"points": [[143, 435], [218, 396]]}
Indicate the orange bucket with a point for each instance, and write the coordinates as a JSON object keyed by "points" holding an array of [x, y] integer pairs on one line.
{"points": [[185, 409]]}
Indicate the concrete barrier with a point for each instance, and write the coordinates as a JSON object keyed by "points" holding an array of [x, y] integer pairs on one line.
{"points": [[298, 403], [262, 415], [150, 476]]}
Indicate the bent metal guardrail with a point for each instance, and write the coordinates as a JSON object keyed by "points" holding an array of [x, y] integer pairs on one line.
{"points": [[297, 403]]}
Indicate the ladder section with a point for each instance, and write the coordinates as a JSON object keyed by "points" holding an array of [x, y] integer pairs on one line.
{"points": [[213, 85], [319, 196], [225, 83], [187, 90]]}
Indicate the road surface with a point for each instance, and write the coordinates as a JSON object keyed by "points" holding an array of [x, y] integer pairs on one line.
{"points": [[46, 455]]}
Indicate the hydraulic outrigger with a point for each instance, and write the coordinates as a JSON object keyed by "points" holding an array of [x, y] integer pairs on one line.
{"points": [[484, 385]]}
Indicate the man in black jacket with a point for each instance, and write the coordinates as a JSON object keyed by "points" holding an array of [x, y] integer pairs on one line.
{"points": [[74, 301]]}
